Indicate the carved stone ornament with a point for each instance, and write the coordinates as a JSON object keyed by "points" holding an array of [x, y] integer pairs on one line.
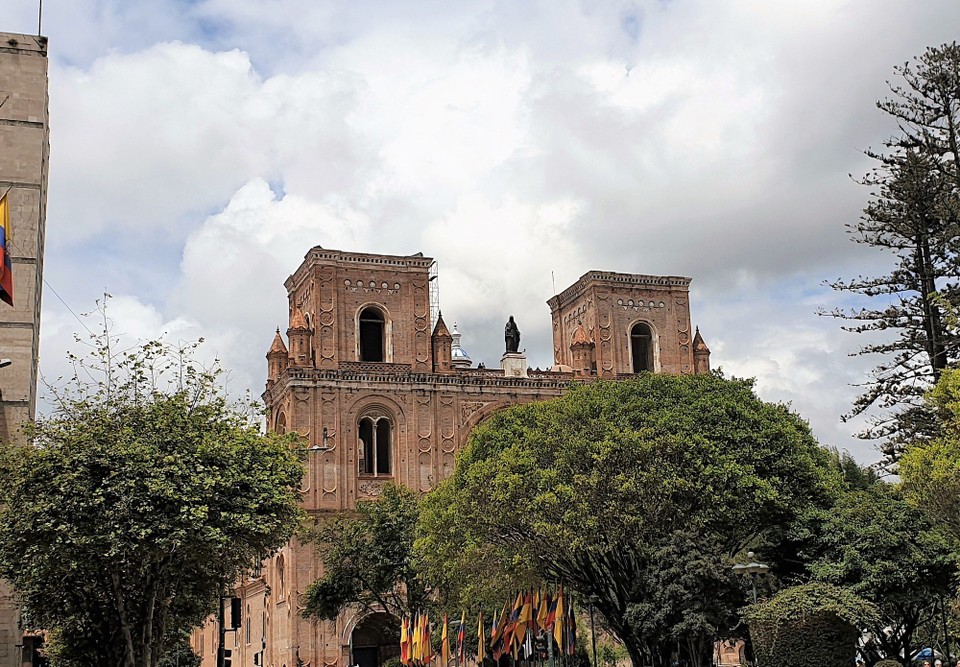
{"points": [[467, 408], [370, 488]]}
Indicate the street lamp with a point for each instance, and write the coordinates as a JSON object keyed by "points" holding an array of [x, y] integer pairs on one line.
{"points": [[751, 569], [325, 447], [593, 599]]}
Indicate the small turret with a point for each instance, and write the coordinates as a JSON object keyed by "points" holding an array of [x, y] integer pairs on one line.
{"points": [[701, 354], [582, 349], [276, 359], [299, 336], [442, 343]]}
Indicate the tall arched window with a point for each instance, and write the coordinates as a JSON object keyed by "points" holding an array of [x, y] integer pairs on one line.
{"points": [[372, 334], [376, 451], [641, 347]]}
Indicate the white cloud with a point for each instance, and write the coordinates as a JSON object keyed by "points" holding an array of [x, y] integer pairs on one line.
{"points": [[200, 149]]}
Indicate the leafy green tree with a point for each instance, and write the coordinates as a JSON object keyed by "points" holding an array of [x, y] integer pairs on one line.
{"points": [[135, 501], [368, 559], [912, 214], [876, 545], [930, 470], [638, 492]]}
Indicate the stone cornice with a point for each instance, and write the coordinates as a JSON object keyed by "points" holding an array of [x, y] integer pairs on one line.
{"points": [[323, 256], [370, 375], [613, 279]]}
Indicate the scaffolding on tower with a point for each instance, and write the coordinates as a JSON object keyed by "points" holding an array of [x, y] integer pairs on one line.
{"points": [[434, 282]]}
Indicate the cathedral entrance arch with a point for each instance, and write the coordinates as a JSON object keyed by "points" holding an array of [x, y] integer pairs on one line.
{"points": [[374, 640]]}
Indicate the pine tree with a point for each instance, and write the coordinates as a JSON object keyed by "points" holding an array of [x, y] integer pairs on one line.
{"points": [[913, 214]]}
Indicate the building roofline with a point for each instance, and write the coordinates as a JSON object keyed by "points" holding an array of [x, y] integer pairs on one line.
{"points": [[614, 279], [319, 254]]}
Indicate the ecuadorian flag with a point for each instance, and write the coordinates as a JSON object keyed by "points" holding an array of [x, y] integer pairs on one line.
{"points": [[6, 268]]}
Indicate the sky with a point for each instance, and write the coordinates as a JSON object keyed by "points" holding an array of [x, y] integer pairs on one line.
{"points": [[199, 149]]}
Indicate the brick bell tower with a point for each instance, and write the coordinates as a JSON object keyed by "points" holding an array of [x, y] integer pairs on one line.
{"points": [[613, 325]]}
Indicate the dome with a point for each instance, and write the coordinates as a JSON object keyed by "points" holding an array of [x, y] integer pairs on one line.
{"points": [[460, 358]]}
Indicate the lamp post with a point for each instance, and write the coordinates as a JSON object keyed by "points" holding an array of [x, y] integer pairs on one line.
{"points": [[325, 447], [751, 569], [593, 599]]}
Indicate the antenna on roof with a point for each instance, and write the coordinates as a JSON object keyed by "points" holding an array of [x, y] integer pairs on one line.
{"points": [[554, 281], [40, 19]]}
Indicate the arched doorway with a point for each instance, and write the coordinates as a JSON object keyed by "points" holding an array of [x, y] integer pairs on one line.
{"points": [[375, 640]]}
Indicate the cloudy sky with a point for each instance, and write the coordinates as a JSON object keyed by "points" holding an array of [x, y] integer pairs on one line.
{"points": [[201, 147]]}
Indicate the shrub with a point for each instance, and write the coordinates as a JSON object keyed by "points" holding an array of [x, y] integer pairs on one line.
{"points": [[781, 627]]}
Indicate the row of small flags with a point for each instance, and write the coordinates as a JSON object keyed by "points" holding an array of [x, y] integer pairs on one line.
{"points": [[532, 615]]}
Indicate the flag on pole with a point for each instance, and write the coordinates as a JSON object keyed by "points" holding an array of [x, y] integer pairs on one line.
{"points": [[6, 264], [560, 618], [404, 642], [524, 619], [445, 642], [427, 640], [542, 609], [511, 624], [552, 612], [481, 648], [571, 631], [461, 636], [415, 640], [497, 635]]}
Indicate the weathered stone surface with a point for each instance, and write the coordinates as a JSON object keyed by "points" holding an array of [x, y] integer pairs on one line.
{"points": [[24, 151]]}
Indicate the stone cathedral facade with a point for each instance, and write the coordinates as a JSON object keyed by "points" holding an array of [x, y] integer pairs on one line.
{"points": [[382, 393]]}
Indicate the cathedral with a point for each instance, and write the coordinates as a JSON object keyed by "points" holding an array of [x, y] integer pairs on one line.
{"points": [[382, 391]]}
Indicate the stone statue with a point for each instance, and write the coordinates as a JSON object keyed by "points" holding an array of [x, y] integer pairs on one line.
{"points": [[511, 335]]}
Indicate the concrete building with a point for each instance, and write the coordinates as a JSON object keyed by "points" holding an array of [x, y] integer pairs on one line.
{"points": [[24, 157], [384, 394]]}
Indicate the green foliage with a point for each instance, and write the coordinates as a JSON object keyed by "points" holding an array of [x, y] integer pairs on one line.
{"points": [[135, 501], [783, 627], [887, 662], [368, 558], [885, 550], [639, 492], [180, 655], [930, 470], [912, 215]]}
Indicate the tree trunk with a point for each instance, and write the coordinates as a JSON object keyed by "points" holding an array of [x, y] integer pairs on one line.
{"points": [[634, 650], [130, 655], [931, 312]]}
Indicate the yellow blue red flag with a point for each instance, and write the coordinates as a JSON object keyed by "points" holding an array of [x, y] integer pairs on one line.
{"points": [[6, 267]]}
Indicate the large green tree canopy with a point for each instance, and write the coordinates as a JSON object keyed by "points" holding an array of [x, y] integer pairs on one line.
{"points": [[639, 492], [135, 502], [875, 544]]}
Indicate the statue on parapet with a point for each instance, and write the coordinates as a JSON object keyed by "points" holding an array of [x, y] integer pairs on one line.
{"points": [[511, 335]]}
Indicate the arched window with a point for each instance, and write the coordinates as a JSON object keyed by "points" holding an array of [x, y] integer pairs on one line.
{"points": [[641, 347], [375, 445], [372, 334]]}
